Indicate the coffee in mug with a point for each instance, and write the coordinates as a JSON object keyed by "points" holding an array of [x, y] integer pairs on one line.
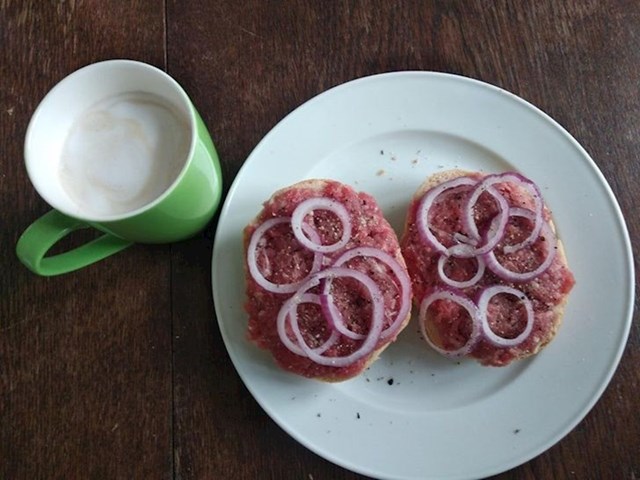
{"points": [[123, 152]]}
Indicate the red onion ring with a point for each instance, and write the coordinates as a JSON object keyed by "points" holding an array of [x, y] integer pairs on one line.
{"points": [[252, 262], [462, 238], [321, 203], [290, 310], [550, 242], [465, 303], [496, 230], [403, 280], [483, 306], [370, 340], [334, 317], [533, 190], [465, 283], [422, 213]]}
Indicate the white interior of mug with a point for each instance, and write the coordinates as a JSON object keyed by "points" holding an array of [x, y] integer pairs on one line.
{"points": [[74, 95]]}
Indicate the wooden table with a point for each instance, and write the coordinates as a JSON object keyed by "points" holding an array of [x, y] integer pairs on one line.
{"points": [[119, 370]]}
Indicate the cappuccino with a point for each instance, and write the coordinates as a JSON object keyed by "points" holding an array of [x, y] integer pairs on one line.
{"points": [[123, 153]]}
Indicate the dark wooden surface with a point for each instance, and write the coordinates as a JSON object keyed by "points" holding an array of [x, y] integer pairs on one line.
{"points": [[118, 370]]}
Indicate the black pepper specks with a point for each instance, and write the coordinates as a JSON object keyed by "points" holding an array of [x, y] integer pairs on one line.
{"points": [[390, 381]]}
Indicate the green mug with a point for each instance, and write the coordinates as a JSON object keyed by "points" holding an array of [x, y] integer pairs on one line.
{"points": [[117, 146]]}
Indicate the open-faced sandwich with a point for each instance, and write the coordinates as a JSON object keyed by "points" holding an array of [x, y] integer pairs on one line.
{"points": [[327, 287], [489, 276]]}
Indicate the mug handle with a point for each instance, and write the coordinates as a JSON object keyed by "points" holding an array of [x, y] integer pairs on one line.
{"points": [[47, 230]]}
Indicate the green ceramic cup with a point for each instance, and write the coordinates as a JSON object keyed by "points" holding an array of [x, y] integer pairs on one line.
{"points": [[180, 206]]}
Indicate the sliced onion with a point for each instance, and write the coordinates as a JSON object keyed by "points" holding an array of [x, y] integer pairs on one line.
{"points": [[289, 310], [321, 203], [465, 283], [465, 303], [533, 190], [483, 306], [470, 248], [550, 242], [370, 340], [496, 231], [252, 262], [334, 317], [427, 201], [462, 238], [404, 282]]}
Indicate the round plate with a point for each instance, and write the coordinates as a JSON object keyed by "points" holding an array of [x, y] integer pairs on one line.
{"points": [[414, 414]]}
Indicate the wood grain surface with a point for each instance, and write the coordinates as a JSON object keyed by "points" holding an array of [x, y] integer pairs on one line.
{"points": [[119, 370]]}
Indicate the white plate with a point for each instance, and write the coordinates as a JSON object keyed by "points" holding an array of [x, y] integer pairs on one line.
{"points": [[439, 419]]}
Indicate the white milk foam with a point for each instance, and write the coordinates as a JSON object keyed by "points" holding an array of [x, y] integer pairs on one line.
{"points": [[123, 153]]}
